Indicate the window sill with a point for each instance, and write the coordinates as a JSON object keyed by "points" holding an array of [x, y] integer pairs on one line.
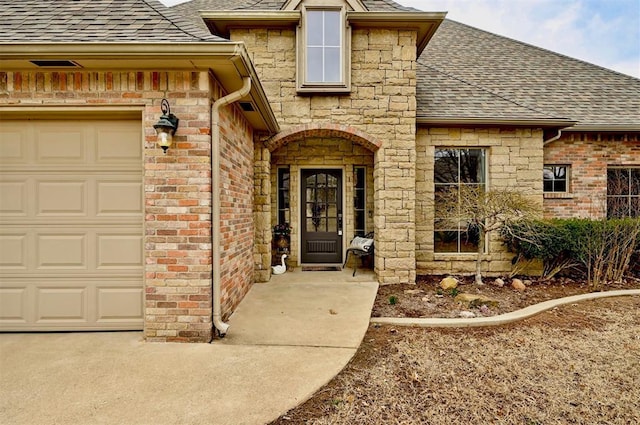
{"points": [[558, 195], [452, 256], [323, 89]]}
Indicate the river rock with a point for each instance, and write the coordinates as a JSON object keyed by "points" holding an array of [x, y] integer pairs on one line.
{"points": [[475, 300], [449, 283], [518, 285], [498, 282]]}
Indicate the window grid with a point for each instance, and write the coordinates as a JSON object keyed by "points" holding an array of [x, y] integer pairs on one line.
{"points": [[284, 181], [359, 200], [623, 192], [455, 168], [325, 47], [556, 178]]}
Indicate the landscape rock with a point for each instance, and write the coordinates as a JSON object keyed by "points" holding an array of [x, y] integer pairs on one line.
{"points": [[475, 300], [498, 282], [413, 291], [527, 282], [518, 285], [449, 283], [467, 314]]}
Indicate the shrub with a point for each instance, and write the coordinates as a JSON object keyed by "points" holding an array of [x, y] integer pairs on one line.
{"points": [[604, 249]]}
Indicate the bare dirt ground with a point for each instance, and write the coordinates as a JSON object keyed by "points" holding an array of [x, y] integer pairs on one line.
{"points": [[427, 299], [577, 364]]}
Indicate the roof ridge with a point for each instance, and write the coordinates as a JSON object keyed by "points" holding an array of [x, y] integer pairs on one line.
{"points": [[172, 19], [563, 56], [486, 90]]}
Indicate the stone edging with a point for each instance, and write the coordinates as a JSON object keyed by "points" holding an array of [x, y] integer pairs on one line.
{"points": [[438, 322]]}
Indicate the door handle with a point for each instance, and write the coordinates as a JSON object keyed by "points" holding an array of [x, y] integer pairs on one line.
{"points": [[339, 224]]}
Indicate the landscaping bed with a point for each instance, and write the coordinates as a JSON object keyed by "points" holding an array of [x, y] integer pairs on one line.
{"points": [[427, 299]]}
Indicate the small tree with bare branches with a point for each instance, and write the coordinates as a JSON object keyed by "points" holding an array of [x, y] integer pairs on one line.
{"points": [[483, 211]]}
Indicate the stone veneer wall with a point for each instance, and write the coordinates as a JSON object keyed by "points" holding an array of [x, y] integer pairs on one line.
{"points": [[588, 155], [321, 152], [382, 104], [514, 160], [177, 186]]}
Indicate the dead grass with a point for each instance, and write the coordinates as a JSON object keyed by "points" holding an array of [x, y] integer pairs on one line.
{"points": [[576, 364]]}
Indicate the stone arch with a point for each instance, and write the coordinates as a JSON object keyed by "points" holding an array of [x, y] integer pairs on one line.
{"points": [[328, 130]]}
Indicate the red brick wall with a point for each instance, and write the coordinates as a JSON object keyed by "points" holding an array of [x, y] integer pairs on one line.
{"points": [[588, 155], [177, 186], [236, 207]]}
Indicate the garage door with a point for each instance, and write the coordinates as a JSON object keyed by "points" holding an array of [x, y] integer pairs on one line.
{"points": [[71, 254]]}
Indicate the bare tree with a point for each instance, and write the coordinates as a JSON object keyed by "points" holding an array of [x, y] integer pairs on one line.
{"points": [[483, 211]]}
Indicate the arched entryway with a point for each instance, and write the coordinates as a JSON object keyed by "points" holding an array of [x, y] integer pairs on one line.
{"points": [[321, 180]]}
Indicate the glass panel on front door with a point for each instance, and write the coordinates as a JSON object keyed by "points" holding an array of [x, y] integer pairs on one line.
{"points": [[322, 216]]}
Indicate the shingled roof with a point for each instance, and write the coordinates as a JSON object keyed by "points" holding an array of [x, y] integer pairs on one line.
{"points": [[197, 5], [104, 21], [466, 72]]}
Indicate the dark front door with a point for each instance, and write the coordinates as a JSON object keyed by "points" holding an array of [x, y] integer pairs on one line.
{"points": [[321, 216]]}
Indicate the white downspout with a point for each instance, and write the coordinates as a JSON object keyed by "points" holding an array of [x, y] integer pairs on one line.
{"points": [[221, 326], [553, 139]]}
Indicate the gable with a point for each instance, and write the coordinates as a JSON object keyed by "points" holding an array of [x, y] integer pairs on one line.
{"points": [[354, 5]]}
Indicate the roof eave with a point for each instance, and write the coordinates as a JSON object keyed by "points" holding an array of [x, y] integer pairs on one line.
{"points": [[606, 128], [229, 61], [495, 122], [220, 22], [425, 23]]}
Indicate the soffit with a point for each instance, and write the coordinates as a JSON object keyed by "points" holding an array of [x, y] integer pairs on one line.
{"points": [[229, 62]]}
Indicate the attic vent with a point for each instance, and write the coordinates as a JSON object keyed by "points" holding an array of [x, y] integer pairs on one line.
{"points": [[55, 63], [247, 106]]}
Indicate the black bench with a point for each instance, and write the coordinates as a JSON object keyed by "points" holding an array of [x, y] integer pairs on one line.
{"points": [[361, 247]]}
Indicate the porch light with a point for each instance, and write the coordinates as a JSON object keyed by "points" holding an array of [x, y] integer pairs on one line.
{"points": [[166, 127]]}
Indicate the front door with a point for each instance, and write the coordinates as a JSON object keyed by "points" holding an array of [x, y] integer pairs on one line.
{"points": [[321, 216]]}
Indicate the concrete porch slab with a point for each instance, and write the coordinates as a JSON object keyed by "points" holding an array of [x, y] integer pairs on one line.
{"points": [[283, 345]]}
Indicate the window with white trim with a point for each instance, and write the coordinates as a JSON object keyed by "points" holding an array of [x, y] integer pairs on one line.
{"points": [[323, 51]]}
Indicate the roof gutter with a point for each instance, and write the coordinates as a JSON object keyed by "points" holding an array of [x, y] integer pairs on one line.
{"points": [[221, 326], [486, 122]]}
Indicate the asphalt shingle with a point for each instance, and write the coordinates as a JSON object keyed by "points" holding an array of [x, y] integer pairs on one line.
{"points": [[526, 75], [106, 21]]}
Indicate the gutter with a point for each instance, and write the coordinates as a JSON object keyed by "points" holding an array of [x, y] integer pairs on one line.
{"points": [[221, 326]]}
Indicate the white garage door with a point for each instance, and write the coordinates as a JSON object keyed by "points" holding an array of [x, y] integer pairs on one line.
{"points": [[71, 213]]}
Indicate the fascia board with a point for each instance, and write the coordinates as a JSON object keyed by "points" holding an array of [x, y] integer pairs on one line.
{"points": [[426, 23], [501, 122]]}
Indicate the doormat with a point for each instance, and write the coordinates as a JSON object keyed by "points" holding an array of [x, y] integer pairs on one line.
{"points": [[321, 268]]}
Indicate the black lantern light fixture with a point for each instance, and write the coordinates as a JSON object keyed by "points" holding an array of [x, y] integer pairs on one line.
{"points": [[166, 127]]}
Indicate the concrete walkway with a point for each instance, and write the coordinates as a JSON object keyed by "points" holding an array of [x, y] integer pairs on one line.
{"points": [[287, 339]]}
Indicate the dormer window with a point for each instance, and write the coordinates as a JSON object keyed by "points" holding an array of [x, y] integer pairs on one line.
{"points": [[323, 35], [323, 50]]}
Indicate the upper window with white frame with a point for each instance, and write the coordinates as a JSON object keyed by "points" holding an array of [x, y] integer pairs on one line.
{"points": [[323, 46], [323, 50], [556, 178]]}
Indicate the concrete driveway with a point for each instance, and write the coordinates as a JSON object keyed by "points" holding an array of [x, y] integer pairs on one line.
{"points": [[287, 339]]}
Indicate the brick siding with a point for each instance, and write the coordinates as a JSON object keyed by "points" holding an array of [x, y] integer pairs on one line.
{"points": [[177, 187], [588, 155]]}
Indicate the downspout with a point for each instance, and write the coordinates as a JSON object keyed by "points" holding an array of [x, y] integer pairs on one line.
{"points": [[221, 326], [554, 138]]}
